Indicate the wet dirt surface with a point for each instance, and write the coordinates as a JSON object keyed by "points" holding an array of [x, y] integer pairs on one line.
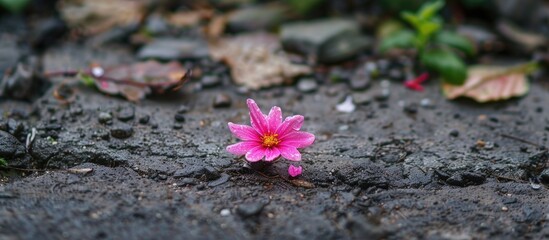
{"points": [[394, 168]]}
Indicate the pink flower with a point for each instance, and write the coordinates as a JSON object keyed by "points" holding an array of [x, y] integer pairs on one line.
{"points": [[415, 84], [294, 171], [269, 137]]}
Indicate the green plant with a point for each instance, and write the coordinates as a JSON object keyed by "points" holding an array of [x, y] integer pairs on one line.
{"points": [[436, 48], [3, 162], [14, 6]]}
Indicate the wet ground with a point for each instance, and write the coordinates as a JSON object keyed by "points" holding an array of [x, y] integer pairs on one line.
{"points": [[404, 164]]}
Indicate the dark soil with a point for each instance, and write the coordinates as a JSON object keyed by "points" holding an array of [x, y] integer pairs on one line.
{"points": [[392, 169]]}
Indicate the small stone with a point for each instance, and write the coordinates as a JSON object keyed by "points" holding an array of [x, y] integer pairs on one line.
{"points": [[454, 133], [426, 103], [346, 106], [544, 176], [210, 81], [10, 147], [122, 131], [222, 100], [411, 108], [105, 118], [383, 95], [221, 180], [183, 109], [179, 117], [144, 119], [360, 81], [225, 212], [250, 209], [262, 17], [174, 49], [307, 85], [126, 113], [177, 126]]}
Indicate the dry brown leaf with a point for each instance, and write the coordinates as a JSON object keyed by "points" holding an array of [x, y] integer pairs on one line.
{"points": [[256, 60], [96, 16], [491, 83], [140, 79], [216, 27], [302, 183]]}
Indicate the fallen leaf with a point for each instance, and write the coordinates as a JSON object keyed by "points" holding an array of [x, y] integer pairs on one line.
{"points": [[137, 80], [528, 40], [96, 16], [302, 183], [256, 60], [492, 83]]}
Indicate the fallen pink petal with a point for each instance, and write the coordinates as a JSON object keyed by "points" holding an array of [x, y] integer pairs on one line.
{"points": [[269, 137], [295, 171], [415, 84]]}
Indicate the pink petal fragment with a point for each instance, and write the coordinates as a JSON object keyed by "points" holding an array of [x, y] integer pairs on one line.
{"points": [[295, 171], [271, 154], [292, 123], [298, 139], [244, 132], [257, 118], [274, 119], [241, 148], [255, 154], [289, 152]]}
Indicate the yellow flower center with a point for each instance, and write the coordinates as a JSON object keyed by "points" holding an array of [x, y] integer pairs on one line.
{"points": [[270, 140]]}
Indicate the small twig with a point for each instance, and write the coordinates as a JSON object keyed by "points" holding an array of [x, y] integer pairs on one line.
{"points": [[520, 140]]}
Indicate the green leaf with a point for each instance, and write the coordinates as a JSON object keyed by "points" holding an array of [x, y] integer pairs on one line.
{"points": [[3, 162], [446, 63], [455, 41], [412, 19], [400, 39], [428, 10], [87, 80], [429, 28], [14, 6]]}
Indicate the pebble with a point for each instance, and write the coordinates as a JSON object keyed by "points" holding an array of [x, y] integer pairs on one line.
{"points": [[426, 103], [346, 106], [126, 113], [360, 81], [225, 212], [250, 209], [144, 119], [383, 95], [177, 126], [105, 118], [122, 131], [210, 81], [454, 133], [183, 109], [222, 100], [307, 85], [411, 108], [221, 180], [179, 117]]}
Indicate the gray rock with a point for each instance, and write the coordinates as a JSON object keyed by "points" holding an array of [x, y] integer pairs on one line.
{"points": [[360, 80], [221, 180], [222, 101], [156, 25], [307, 85], [179, 117], [126, 113], [307, 37], [10, 147], [174, 49], [255, 18], [250, 209], [210, 81], [343, 47], [122, 131], [197, 171], [544, 176], [105, 118]]}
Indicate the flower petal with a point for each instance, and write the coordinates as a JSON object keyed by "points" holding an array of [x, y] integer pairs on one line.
{"points": [[292, 123], [257, 118], [255, 154], [244, 132], [274, 119], [295, 171], [298, 139], [241, 148], [289, 152], [271, 154]]}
